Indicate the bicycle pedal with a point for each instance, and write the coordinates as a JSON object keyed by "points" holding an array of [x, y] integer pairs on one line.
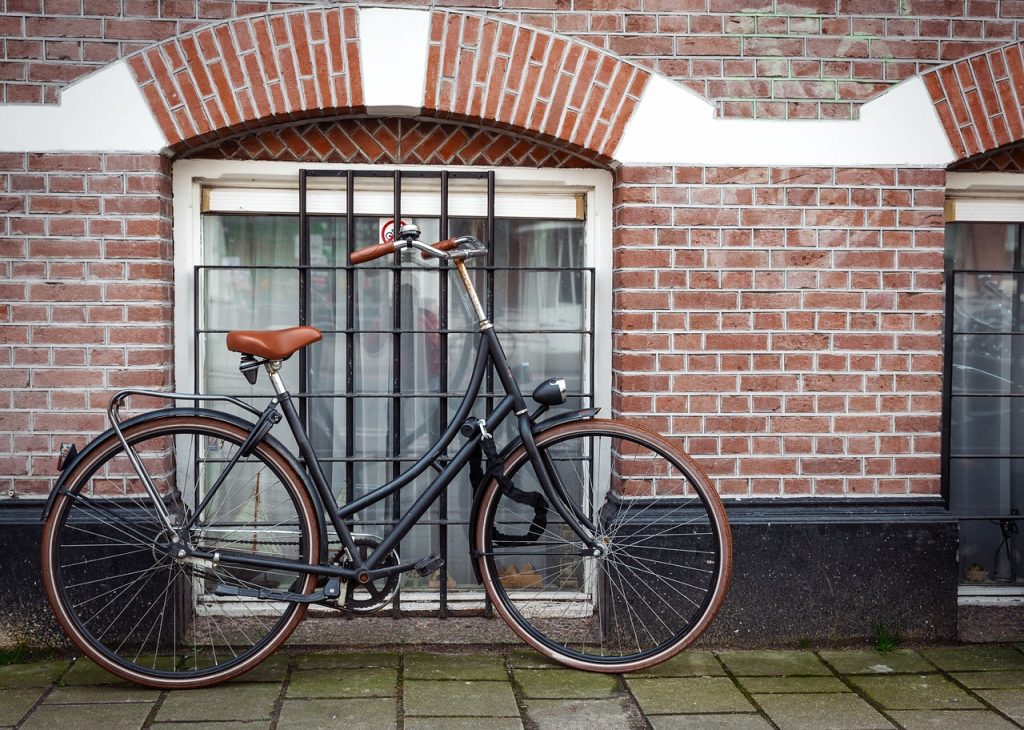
{"points": [[426, 566]]}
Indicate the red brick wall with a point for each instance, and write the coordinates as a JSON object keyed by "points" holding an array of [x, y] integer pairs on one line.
{"points": [[85, 300], [792, 58], [786, 323]]}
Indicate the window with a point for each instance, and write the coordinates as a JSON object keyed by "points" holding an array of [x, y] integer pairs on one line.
{"points": [[395, 338], [983, 464]]}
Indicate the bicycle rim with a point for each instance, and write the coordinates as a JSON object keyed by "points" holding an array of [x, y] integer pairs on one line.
{"points": [[666, 549], [139, 611]]}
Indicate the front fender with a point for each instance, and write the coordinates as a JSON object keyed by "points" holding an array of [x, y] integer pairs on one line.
{"points": [[228, 418], [478, 491]]}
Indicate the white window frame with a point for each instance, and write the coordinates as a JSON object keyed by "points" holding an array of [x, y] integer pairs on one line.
{"points": [[191, 176]]}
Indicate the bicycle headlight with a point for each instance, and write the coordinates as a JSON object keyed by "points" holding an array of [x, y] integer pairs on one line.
{"points": [[551, 392]]}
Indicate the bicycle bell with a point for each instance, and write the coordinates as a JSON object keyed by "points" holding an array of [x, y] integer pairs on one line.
{"points": [[410, 232]]}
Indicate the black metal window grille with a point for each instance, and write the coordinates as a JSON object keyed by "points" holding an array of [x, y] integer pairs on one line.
{"points": [[983, 387], [330, 380]]}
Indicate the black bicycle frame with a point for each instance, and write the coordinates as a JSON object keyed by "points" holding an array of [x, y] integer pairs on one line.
{"points": [[489, 351]]}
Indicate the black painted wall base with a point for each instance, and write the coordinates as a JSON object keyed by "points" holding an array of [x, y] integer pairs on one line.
{"points": [[830, 572], [808, 570]]}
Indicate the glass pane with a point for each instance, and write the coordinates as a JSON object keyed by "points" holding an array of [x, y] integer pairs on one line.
{"points": [[982, 246], [988, 364], [985, 303], [986, 425]]}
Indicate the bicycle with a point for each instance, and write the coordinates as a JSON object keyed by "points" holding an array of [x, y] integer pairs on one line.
{"points": [[182, 546]]}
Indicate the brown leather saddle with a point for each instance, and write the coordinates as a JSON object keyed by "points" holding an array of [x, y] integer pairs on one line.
{"points": [[272, 344]]}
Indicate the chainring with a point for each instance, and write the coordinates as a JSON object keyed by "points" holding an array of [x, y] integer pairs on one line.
{"points": [[372, 596]]}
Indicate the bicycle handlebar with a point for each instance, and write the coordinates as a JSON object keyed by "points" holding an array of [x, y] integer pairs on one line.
{"points": [[362, 255]]}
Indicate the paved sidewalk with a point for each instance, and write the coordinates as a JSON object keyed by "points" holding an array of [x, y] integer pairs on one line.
{"points": [[947, 688]]}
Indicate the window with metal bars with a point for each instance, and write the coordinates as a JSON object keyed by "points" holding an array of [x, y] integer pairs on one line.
{"points": [[983, 403], [398, 340]]}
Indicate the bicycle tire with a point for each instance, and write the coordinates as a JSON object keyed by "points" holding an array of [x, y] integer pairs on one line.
{"points": [[668, 550], [139, 612]]}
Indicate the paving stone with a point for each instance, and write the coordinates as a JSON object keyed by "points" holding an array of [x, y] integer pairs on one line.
{"points": [[950, 720], [86, 671], [87, 694], [821, 712], [226, 702], [372, 682], [773, 663], [36, 674], [455, 666], [274, 669], [975, 658], [352, 714], [16, 702], [459, 699], [792, 685], [88, 717], [565, 683], [346, 660], [682, 695], [709, 722], [991, 680], [607, 714], [262, 725], [687, 664], [915, 692], [462, 723], [530, 659], [901, 661], [1010, 702]]}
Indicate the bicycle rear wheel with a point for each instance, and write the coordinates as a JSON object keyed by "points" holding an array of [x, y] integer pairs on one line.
{"points": [[665, 543], [136, 609]]}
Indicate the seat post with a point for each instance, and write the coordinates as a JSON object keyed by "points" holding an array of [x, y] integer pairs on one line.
{"points": [[274, 371]]}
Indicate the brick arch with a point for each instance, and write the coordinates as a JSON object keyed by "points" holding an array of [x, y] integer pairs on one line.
{"points": [[249, 73], [980, 100]]}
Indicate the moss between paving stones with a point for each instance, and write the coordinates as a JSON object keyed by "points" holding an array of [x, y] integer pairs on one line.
{"points": [[974, 658], [346, 660], [950, 720], [818, 712], [372, 682], [462, 723], [530, 659], [88, 717], [773, 663], [991, 680], [687, 664], [87, 672], [226, 702], [16, 702], [915, 692], [274, 669], [607, 714], [792, 685], [900, 661], [38, 674], [459, 698], [1008, 701], [87, 694], [358, 714], [684, 695], [564, 683], [709, 722], [455, 666]]}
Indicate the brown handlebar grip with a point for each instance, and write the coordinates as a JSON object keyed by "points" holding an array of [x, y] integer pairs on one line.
{"points": [[371, 252], [446, 245]]}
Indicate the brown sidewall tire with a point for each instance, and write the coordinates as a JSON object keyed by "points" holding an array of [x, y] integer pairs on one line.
{"points": [[111, 446], [700, 481]]}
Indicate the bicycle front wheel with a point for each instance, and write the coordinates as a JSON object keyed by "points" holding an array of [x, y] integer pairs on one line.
{"points": [[137, 609], [665, 548]]}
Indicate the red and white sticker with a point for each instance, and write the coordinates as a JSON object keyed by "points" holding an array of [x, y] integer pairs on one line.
{"points": [[387, 230]]}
